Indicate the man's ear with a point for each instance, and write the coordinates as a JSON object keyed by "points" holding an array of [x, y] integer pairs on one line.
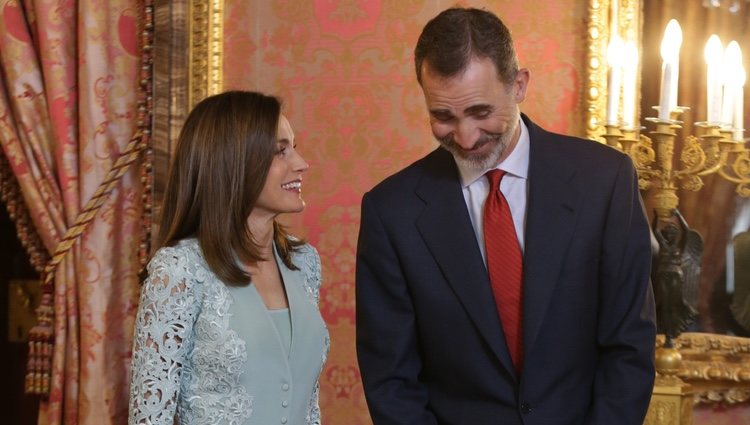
{"points": [[520, 84]]}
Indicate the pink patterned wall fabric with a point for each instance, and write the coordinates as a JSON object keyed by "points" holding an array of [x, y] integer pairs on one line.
{"points": [[345, 71]]}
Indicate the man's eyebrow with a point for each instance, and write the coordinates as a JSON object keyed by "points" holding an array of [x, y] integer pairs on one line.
{"points": [[473, 109], [439, 111]]}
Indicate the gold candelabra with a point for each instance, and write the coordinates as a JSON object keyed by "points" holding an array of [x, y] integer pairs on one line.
{"points": [[711, 151]]}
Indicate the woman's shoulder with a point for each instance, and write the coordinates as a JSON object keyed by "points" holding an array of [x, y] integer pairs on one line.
{"points": [[304, 250], [184, 259], [185, 249], [307, 259]]}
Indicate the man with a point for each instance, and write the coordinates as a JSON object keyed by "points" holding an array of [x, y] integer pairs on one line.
{"points": [[552, 323]]}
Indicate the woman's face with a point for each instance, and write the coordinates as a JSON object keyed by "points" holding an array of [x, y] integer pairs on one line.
{"points": [[282, 191]]}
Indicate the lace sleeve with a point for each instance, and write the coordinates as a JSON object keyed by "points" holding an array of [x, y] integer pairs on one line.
{"points": [[313, 410], [312, 272], [313, 281], [163, 331]]}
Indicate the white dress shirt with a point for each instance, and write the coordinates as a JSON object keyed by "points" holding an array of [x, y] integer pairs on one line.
{"points": [[514, 187]]}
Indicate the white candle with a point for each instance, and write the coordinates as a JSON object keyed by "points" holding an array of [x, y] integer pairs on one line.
{"points": [[732, 60], [739, 119], [675, 88], [713, 54], [614, 60], [666, 90], [670, 55], [630, 75]]}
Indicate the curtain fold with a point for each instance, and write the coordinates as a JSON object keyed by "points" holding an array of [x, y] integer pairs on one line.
{"points": [[70, 73]]}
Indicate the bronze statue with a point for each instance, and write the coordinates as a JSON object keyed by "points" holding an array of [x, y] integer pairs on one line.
{"points": [[741, 298], [675, 275]]}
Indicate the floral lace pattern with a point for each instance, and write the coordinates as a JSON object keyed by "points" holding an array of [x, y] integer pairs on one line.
{"points": [[311, 270], [186, 358], [168, 327]]}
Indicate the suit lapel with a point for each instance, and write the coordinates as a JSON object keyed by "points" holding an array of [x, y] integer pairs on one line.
{"points": [[446, 229], [550, 220]]}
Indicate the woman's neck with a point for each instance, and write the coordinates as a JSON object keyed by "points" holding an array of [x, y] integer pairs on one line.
{"points": [[262, 231]]}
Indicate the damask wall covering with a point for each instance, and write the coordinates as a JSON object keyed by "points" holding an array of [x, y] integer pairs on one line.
{"points": [[345, 71]]}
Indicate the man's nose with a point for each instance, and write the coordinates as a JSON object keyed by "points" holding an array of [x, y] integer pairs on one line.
{"points": [[466, 135]]}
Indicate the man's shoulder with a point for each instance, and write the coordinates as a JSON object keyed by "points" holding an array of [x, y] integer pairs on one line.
{"points": [[576, 149], [406, 179]]}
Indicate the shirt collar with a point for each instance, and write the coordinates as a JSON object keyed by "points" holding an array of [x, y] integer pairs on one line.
{"points": [[517, 163]]}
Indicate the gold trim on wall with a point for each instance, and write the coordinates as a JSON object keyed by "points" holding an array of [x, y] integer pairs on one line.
{"points": [[599, 27], [205, 57], [716, 366]]}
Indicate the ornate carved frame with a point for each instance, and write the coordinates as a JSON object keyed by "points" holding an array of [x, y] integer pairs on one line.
{"points": [[601, 23], [187, 68], [716, 366]]}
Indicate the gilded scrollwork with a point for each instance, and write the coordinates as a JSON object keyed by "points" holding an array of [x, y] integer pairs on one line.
{"points": [[206, 39], [601, 23], [661, 412], [716, 366]]}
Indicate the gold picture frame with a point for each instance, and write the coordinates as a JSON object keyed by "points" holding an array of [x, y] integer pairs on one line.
{"points": [[206, 48], [604, 18]]}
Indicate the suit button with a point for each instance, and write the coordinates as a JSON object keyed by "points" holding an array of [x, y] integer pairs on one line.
{"points": [[284, 403], [525, 408], [283, 419], [285, 387]]}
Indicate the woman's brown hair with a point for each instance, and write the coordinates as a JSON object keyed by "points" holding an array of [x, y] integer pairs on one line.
{"points": [[223, 155]]}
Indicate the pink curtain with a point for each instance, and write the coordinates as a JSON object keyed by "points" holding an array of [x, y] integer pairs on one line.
{"points": [[68, 107]]}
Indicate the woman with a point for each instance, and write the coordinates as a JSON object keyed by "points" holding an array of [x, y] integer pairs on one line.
{"points": [[228, 330]]}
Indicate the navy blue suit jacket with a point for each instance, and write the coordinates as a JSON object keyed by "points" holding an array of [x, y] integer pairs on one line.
{"points": [[430, 345]]}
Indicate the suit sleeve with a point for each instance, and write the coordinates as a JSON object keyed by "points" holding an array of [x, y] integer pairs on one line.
{"points": [[626, 329], [387, 346]]}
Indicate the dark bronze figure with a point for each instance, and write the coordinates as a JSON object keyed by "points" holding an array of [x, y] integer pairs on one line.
{"points": [[675, 275], [740, 306]]}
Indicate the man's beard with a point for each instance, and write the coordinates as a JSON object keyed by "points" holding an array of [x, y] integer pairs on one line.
{"points": [[484, 160]]}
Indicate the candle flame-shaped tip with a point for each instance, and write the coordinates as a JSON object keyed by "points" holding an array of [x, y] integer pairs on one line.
{"points": [[732, 63], [614, 52], [741, 76], [670, 44], [630, 53], [714, 50]]}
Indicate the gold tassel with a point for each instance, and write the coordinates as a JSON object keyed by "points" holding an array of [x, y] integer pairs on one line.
{"points": [[39, 365]]}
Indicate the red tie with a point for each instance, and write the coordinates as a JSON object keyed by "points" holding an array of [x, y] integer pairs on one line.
{"points": [[505, 265]]}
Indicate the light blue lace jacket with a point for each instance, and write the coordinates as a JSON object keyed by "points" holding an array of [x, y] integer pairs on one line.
{"points": [[188, 360]]}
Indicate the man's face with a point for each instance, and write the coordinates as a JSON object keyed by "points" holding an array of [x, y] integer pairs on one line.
{"points": [[474, 115]]}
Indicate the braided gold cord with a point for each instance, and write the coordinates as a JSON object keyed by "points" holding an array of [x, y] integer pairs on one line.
{"points": [[86, 216]]}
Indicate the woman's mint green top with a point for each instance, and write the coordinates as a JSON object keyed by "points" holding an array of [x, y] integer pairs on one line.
{"points": [[208, 353]]}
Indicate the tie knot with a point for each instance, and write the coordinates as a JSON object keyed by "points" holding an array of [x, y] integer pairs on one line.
{"points": [[494, 176]]}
